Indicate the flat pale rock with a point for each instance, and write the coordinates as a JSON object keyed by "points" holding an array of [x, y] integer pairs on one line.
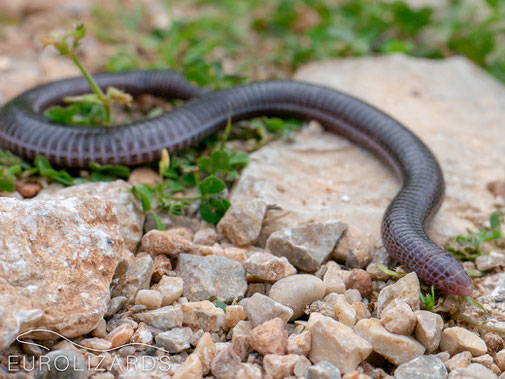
{"points": [[57, 259], [457, 109], [423, 367], [457, 339], [211, 277], [336, 343], [396, 348]]}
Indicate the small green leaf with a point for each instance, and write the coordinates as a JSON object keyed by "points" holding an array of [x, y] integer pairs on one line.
{"points": [[42, 163], [62, 177], [392, 273], [79, 32], [239, 159], [111, 170], [494, 220], [474, 302], [474, 273], [212, 209], [220, 304], [211, 186], [7, 185], [145, 193], [158, 224], [220, 161], [61, 115], [99, 177], [204, 165]]}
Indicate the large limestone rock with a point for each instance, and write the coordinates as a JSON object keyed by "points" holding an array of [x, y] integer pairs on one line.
{"points": [[57, 259], [454, 107], [128, 206]]}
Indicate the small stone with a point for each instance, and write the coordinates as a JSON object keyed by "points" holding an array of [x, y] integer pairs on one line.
{"points": [[205, 236], [376, 273], [336, 343], [242, 222], [126, 351], [299, 343], [460, 360], [362, 311], [398, 318], [332, 279], [170, 289], [306, 246], [144, 175], [474, 371], [240, 339], [396, 348], [211, 277], [485, 360], [62, 364], [162, 318], [150, 298], [162, 267], [249, 371], [279, 366], [137, 277], [497, 188], [168, 242], [500, 359], [96, 343], [344, 311], [423, 367], [226, 364], [297, 292], [175, 340], [360, 280], [206, 350], [301, 366], [323, 370], [203, 315], [27, 189], [100, 330], [406, 289], [351, 250], [191, 369], [322, 307], [260, 308], [458, 339], [256, 288], [443, 356], [235, 254], [269, 337], [115, 305], [142, 336], [495, 369], [429, 329], [32, 350], [117, 321], [493, 342], [120, 336], [268, 267], [234, 314], [490, 261], [352, 296]]}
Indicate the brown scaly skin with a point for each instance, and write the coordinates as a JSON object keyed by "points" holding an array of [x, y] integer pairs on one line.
{"points": [[25, 132]]}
